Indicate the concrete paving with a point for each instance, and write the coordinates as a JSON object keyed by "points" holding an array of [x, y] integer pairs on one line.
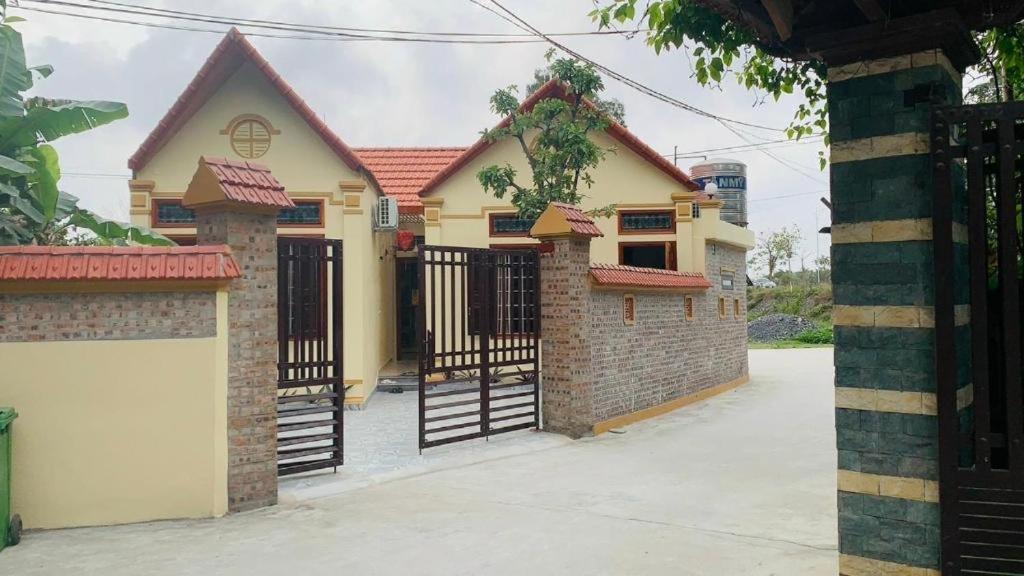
{"points": [[743, 484]]}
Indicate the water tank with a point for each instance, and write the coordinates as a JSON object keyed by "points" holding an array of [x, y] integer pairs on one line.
{"points": [[731, 178]]}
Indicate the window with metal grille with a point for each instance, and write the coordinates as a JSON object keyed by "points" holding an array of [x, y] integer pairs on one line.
{"points": [[648, 222], [509, 225], [169, 213], [728, 279]]}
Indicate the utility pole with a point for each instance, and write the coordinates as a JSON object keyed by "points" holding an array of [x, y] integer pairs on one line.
{"points": [[675, 155], [817, 246]]}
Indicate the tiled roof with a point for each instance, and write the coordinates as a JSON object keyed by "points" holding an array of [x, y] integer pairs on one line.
{"points": [[554, 89], [632, 276], [233, 51], [579, 222], [402, 172], [57, 263], [248, 183]]}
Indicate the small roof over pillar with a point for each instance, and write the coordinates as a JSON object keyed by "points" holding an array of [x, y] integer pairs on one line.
{"points": [[560, 219], [220, 182]]}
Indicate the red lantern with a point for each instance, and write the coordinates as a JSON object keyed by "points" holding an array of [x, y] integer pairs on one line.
{"points": [[406, 240]]}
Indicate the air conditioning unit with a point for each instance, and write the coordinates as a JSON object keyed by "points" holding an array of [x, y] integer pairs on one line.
{"points": [[385, 216]]}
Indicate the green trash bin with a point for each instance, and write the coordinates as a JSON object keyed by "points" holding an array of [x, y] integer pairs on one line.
{"points": [[10, 526]]}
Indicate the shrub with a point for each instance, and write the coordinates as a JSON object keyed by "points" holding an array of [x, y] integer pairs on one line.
{"points": [[821, 335]]}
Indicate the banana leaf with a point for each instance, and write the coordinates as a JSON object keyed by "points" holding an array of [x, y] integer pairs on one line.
{"points": [[44, 122], [111, 230], [14, 75], [42, 188]]}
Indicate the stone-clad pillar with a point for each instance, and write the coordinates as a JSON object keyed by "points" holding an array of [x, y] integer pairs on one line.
{"points": [[567, 381], [886, 423], [237, 204]]}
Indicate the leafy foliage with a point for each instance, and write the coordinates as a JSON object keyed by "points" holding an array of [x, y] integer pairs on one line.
{"points": [[613, 107], [776, 248], [720, 48], [554, 137], [33, 209]]}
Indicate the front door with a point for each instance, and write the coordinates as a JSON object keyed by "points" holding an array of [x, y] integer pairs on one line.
{"points": [[407, 295]]}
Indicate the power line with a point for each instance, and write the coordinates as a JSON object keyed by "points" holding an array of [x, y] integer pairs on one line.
{"points": [[309, 32], [515, 20], [783, 143], [787, 196], [372, 30]]}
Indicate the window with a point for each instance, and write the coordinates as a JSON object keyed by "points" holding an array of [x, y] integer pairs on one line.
{"points": [[171, 214], [649, 222], [661, 255], [728, 279], [688, 307], [721, 307], [509, 225], [305, 213], [628, 309], [736, 307], [250, 137]]}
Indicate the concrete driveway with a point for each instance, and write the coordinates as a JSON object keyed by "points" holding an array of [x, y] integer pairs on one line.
{"points": [[742, 484]]}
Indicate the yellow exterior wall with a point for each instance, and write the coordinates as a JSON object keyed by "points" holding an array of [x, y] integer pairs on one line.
{"points": [[309, 170], [118, 431], [623, 178]]}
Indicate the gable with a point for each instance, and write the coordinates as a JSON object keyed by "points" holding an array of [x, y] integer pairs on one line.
{"points": [[623, 177], [297, 154]]}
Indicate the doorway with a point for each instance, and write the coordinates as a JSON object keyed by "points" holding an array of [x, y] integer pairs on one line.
{"points": [[407, 296]]}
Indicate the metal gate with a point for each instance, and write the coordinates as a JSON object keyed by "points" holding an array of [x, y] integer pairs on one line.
{"points": [[311, 393], [479, 330], [981, 413]]}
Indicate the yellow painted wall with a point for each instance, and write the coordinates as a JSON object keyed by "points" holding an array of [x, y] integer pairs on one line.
{"points": [[623, 178], [309, 170], [118, 431]]}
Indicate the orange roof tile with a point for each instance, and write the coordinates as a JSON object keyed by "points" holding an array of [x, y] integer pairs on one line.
{"points": [[56, 263], [579, 222], [402, 172], [554, 89], [632, 276], [229, 55], [248, 183]]}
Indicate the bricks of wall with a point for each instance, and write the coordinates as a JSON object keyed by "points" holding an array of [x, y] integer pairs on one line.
{"points": [[252, 354], [107, 316], [663, 356]]}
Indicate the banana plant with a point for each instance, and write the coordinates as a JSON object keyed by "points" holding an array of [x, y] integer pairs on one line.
{"points": [[33, 209]]}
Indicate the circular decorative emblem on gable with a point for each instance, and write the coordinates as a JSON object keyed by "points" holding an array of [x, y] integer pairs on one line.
{"points": [[250, 135]]}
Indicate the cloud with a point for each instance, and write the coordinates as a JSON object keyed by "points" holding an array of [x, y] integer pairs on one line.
{"points": [[400, 94]]}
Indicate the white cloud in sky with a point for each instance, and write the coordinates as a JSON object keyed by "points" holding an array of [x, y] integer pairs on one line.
{"points": [[403, 94]]}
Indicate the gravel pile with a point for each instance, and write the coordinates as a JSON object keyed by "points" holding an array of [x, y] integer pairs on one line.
{"points": [[777, 327]]}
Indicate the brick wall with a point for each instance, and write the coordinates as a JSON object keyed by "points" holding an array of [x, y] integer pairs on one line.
{"points": [[664, 356], [107, 316], [252, 354], [596, 367]]}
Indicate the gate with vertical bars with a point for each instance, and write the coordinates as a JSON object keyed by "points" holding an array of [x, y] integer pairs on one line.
{"points": [[479, 331], [981, 412], [311, 393]]}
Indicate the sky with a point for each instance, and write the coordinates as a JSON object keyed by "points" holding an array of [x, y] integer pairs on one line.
{"points": [[406, 94]]}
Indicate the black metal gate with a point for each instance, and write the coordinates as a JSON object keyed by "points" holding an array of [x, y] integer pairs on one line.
{"points": [[311, 393], [479, 330], [977, 162]]}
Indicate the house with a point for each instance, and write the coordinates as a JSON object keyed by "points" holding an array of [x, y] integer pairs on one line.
{"points": [[239, 108]]}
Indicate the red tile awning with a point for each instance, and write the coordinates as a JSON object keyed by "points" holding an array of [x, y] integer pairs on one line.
{"points": [[612, 275], [60, 263], [248, 183]]}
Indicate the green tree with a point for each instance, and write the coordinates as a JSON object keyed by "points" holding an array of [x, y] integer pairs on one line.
{"points": [[613, 107], [719, 47], [554, 136], [775, 249], [33, 209]]}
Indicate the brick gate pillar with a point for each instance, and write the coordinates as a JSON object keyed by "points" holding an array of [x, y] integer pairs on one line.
{"points": [[886, 423], [567, 382], [236, 203]]}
